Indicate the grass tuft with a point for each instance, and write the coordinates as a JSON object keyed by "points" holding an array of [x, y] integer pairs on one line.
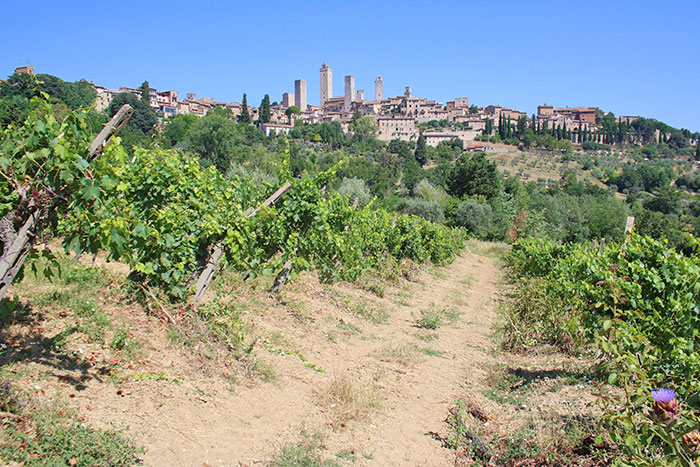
{"points": [[347, 400]]}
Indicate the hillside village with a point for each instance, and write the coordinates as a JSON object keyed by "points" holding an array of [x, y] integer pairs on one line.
{"points": [[396, 117]]}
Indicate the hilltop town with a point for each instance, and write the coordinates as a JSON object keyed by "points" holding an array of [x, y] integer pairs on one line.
{"points": [[401, 117], [396, 117]]}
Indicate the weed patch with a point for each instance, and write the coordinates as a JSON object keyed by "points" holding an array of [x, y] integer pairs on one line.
{"points": [[376, 315], [38, 436], [433, 318], [304, 453]]}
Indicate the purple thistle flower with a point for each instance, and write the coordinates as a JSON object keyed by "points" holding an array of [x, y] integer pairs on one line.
{"points": [[663, 395], [665, 406]]}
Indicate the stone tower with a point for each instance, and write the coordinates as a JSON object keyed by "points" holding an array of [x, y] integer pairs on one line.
{"points": [[349, 92], [378, 88], [326, 83], [360, 96], [300, 94]]}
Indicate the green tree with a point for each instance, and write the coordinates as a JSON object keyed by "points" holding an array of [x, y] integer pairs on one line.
{"points": [[265, 109], [292, 110], [77, 94], [363, 128], [521, 126], [244, 116], [421, 150], [176, 129], [474, 175], [145, 93], [212, 138], [19, 85], [528, 138], [143, 119], [13, 110]]}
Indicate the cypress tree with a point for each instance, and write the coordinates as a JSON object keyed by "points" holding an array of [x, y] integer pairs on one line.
{"points": [[421, 150], [697, 150], [563, 131], [145, 93], [619, 130], [244, 117], [265, 109]]}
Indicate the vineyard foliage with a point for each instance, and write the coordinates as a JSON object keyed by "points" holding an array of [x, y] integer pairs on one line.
{"points": [[162, 213], [644, 286], [638, 304]]}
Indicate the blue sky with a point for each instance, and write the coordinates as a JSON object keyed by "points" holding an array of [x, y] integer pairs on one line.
{"points": [[633, 58]]}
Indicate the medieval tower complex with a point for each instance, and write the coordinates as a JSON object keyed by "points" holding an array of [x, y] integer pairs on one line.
{"points": [[326, 83]]}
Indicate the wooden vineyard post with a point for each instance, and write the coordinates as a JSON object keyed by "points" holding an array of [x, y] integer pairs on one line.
{"points": [[110, 129], [13, 258], [214, 260], [602, 244], [629, 225]]}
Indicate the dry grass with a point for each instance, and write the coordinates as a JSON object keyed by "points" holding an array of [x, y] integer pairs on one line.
{"points": [[405, 354], [347, 399]]}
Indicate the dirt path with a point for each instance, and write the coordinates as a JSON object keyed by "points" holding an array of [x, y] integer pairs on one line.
{"points": [[187, 419]]}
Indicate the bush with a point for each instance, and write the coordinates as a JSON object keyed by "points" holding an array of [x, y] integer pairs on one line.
{"points": [[352, 188], [429, 210], [474, 216], [593, 146], [426, 190]]}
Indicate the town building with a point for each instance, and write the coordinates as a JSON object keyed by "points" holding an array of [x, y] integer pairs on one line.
{"points": [[275, 128], [397, 127], [24, 70]]}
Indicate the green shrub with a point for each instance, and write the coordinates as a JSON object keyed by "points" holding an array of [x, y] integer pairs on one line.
{"points": [[429, 210], [474, 216]]}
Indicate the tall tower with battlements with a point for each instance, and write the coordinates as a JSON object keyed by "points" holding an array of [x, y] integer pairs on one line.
{"points": [[349, 92], [300, 94], [326, 83], [378, 88]]}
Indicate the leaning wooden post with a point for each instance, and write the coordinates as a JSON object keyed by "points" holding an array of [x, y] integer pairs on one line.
{"points": [[12, 260], [629, 225], [214, 261]]}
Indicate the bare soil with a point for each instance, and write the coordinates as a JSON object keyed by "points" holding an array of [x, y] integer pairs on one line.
{"points": [[189, 404]]}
